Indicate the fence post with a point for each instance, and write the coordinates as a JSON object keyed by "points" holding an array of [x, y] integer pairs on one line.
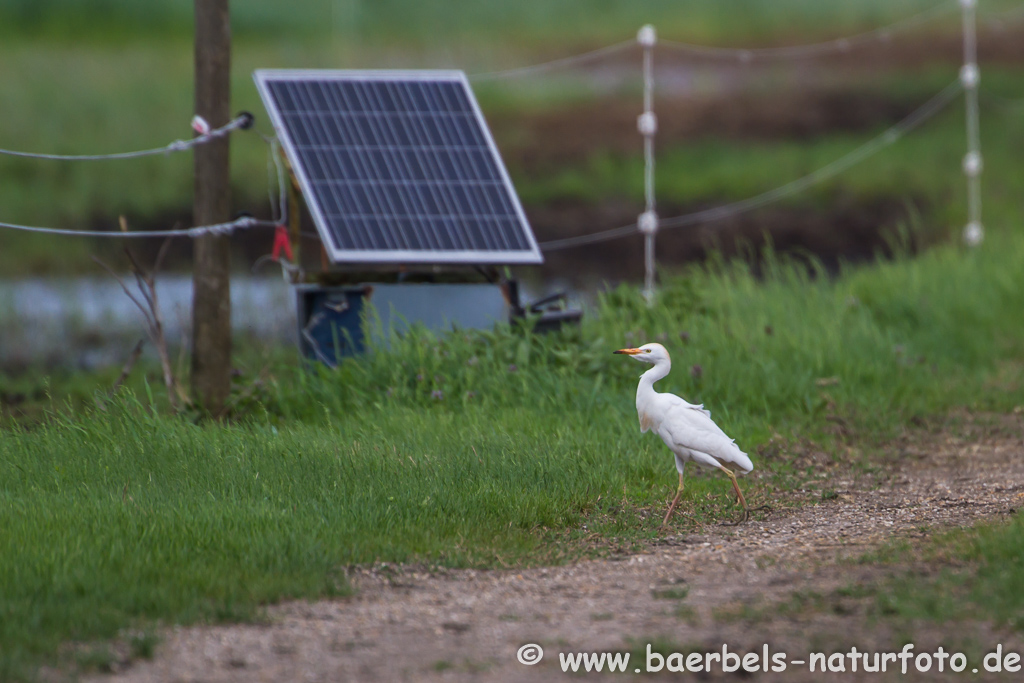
{"points": [[647, 124], [211, 283], [974, 232]]}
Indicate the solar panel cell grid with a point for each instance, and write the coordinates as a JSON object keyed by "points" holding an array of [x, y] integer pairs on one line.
{"points": [[398, 167]]}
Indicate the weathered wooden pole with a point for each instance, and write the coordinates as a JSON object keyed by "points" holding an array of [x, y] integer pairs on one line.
{"points": [[211, 283]]}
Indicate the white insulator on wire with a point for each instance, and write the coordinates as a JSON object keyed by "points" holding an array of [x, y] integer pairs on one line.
{"points": [[973, 234], [648, 222], [646, 36], [966, 4], [200, 125], [647, 123], [972, 164], [969, 76]]}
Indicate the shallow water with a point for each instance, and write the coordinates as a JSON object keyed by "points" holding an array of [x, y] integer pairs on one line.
{"points": [[89, 322]]}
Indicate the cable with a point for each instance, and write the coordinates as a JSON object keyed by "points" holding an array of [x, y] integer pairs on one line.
{"points": [[890, 136], [581, 240], [1003, 103], [813, 49], [197, 231], [242, 121], [1006, 16], [562, 63]]}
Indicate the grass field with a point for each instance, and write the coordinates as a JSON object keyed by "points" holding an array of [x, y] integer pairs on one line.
{"points": [[480, 449], [989, 588], [476, 449]]}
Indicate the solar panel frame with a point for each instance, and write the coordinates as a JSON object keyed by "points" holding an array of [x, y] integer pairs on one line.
{"points": [[530, 255]]}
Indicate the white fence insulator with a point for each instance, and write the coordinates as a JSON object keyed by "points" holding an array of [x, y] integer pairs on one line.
{"points": [[647, 223], [647, 124], [974, 232], [972, 164]]}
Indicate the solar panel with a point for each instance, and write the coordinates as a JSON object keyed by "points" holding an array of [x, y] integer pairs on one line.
{"points": [[398, 167]]}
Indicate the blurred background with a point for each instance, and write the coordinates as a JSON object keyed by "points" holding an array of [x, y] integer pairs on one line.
{"points": [[115, 75]]}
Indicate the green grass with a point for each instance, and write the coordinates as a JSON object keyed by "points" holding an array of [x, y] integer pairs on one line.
{"points": [[473, 449], [982, 578], [118, 519]]}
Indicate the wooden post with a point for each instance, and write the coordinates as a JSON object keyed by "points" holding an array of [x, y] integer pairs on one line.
{"points": [[211, 284]]}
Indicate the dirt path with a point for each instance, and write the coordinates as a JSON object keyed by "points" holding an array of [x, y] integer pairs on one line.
{"points": [[405, 625]]}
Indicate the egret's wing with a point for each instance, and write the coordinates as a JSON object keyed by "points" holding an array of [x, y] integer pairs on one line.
{"points": [[691, 427]]}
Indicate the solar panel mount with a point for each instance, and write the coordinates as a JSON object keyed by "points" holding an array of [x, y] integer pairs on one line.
{"points": [[398, 167]]}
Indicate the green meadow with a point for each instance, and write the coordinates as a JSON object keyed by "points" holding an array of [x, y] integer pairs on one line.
{"points": [[482, 449], [479, 449]]}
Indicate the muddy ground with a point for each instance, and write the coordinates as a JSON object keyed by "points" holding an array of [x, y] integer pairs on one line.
{"points": [[783, 579]]}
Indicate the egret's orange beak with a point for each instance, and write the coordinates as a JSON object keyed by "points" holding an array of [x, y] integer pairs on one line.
{"points": [[628, 352]]}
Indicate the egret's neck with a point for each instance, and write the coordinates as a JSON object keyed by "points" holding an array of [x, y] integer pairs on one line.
{"points": [[646, 387]]}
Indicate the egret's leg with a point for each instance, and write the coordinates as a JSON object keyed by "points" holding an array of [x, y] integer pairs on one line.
{"points": [[672, 506], [739, 494]]}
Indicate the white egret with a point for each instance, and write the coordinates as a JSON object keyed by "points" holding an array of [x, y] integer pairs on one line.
{"points": [[687, 429]]}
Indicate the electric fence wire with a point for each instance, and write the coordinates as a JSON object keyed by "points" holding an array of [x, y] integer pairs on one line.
{"points": [[1011, 15], [243, 223], [811, 50], [842, 44], [563, 63], [881, 34], [885, 139], [840, 165], [1008, 105], [241, 121]]}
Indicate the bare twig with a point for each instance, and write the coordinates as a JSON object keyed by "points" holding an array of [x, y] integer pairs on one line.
{"points": [[149, 304], [127, 291]]}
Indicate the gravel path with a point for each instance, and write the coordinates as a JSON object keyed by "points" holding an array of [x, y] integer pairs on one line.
{"points": [[410, 625]]}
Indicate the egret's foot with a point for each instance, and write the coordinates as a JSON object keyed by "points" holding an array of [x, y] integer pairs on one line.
{"points": [[672, 505], [742, 520], [739, 497], [671, 508], [746, 515]]}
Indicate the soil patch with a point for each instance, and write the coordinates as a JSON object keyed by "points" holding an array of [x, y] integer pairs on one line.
{"points": [[684, 593]]}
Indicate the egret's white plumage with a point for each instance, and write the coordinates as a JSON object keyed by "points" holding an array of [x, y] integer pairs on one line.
{"points": [[686, 428]]}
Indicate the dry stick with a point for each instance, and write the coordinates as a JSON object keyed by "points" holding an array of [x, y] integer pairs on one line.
{"points": [[147, 285], [150, 307]]}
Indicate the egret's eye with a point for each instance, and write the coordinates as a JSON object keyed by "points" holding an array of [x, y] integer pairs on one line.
{"points": [[647, 350]]}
